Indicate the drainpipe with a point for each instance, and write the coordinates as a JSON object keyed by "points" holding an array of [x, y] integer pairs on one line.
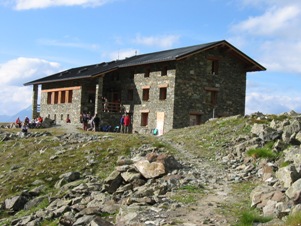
{"points": [[213, 112]]}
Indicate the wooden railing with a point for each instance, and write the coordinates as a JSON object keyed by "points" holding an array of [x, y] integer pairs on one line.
{"points": [[111, 107]]}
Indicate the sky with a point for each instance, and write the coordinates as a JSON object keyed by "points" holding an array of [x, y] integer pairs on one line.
{"points": [[43, 37]]}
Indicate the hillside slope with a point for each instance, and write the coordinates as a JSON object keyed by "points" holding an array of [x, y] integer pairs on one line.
{"points": [[212, 186]]}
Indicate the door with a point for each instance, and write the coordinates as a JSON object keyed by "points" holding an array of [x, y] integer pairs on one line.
{"points": [[160, 123]]}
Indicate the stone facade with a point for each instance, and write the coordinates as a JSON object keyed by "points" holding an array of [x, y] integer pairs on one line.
{"points": [[162, 96]]}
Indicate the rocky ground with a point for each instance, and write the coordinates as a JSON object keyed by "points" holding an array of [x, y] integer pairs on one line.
{"points": [[202, 183]]}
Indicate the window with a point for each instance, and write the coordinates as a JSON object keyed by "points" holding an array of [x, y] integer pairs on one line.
{"points": [[60, 95], [56, 97], [62, 117], [163, 93], [213, 65], [63, 97], [194, 119], [164, 71], [147, 72], [130, 95], [211, 97], [144, 119], [49, 97], [145, 94], [70, 96]]}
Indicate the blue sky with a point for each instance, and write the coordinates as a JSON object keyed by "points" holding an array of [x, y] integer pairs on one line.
{"points": [[41, 37]]}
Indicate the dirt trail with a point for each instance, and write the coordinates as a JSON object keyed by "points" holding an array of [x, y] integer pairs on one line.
{"points": [[207, 210]]}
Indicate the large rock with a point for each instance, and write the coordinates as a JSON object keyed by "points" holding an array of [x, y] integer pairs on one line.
{"points": [[113, 182], [293, 154], [264, 132], [294, 191], [150, 170], [287, 175], [15, 203]]}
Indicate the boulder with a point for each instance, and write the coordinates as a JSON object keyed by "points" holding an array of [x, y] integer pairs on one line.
{"points": [[113, 181], [15, 203], [150, 170], [287, 175], [293, 192]]}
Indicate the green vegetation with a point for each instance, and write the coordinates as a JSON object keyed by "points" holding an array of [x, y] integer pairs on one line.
{"points": [[234, 209], [294, 219], [262, 153], [45, 158], [248, 218]]}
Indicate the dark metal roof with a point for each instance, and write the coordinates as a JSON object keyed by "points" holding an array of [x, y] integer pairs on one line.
{"points": [[156, 57]]}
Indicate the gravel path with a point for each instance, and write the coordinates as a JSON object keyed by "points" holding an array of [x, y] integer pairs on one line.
{"points": [[207, 210]]}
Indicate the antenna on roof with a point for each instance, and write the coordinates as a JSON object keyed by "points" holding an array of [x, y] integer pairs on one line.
{"points": [[135, 52]]}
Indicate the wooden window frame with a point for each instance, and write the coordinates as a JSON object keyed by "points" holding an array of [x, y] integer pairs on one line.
{"points": [[60, 95], [147, 73], [162, 93], [214, 65], [164, 71], [144, 119], [145, 94]]}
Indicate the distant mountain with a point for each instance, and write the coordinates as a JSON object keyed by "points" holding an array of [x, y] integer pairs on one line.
{"points": [[22, 114]]}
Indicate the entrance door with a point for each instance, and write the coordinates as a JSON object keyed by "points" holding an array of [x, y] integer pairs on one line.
{"points": [[194, 119], [160, 123]]}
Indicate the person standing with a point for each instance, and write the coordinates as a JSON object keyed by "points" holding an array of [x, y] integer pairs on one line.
{"points": [[122, 124], [85, 121], [127, 122], [96, 122]]}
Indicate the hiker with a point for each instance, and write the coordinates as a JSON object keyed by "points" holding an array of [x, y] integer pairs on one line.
{"points": [[96, 122], [127, 122], [18, 122], [26, 120], [106, 105], [24, 128], [85, 121], [122, 124]]}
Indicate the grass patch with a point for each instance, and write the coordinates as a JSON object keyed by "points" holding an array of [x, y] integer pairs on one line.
{"points": [[233, 209], [248, 218], [294, 219], [264, 152]]}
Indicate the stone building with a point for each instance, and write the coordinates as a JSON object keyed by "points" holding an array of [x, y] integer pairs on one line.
{"points": [[161, 90]]}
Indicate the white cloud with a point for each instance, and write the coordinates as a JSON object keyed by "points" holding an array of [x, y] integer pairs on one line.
{"points": [[282, 56], [274, 20], [14, 99], [35, 4], [21, 70], [268, 103], [274, 35], [15, 96], [164, 41]]}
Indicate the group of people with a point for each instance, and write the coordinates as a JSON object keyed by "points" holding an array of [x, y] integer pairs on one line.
{"points": [[27, 123], [90, 123], [125, 122]]}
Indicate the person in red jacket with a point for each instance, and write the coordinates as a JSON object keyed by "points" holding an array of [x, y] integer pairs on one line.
{"points": [[126, 123]]}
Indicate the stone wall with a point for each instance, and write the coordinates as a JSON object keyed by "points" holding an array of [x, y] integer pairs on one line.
{"points": [[192, 80]]}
